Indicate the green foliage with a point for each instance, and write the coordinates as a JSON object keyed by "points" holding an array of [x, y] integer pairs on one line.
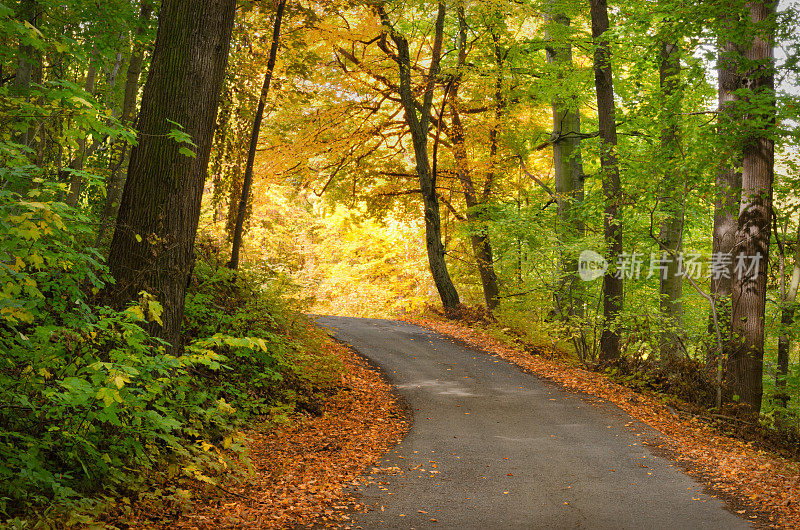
{"points": [[270, 348], [84, 391], [91, 406]]}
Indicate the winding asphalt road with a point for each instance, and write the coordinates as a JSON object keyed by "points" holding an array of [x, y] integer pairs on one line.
{"points": [[493, 447]]}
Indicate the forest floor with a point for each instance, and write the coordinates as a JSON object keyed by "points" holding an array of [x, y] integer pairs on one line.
{"points": [[761, 485], [301, 471]]}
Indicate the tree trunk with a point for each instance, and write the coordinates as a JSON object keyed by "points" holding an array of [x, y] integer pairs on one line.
{"points": [[479, 235], [251, 153], [670, 237], [153, 245], [748, 298], [499, 113], [418, 126], [479, 231], [220, 153], [728, 184], [26, 57], [75, 180], [612, 188], [116, 178], [568, 170], [111, 76], [788, 308]]}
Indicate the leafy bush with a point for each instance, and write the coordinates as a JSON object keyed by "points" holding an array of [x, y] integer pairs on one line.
{"points": [[91, 406], [275, 352]]}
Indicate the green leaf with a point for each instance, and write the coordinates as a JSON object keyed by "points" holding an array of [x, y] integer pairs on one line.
{"points": [[108, 395], [185, 151]]}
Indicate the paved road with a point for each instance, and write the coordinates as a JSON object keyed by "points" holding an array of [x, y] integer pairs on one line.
{"points": [[492, 447]]}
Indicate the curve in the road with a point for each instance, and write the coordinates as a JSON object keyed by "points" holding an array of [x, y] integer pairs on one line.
{"points": [[494, 447]]}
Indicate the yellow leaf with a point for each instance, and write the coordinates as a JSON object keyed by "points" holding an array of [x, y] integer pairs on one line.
{"points": [[136, 311], [120, 380], [36, 260], [82, 101]]}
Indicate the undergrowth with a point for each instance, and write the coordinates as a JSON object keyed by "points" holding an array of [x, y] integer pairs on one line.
{"points": [[94, 413]]}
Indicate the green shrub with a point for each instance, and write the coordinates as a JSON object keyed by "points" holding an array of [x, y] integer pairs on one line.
{"points": [[275, 359], [92, 408]]}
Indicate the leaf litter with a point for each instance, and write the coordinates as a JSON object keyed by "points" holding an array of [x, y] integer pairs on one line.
{"points": [[304, 473]]}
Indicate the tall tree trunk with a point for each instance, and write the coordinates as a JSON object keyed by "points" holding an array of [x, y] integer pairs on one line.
{"points": [[235, 187], [76, 180], [748, 299], [111, 75], [153, 245], [670, 237], [251, 153], [26, 58], [479, 230], [499, 114], [728, 184], [116, 177], [788, 309], [418, 126], [612, 188], [479, 235], [568, 170], [220, 153]]}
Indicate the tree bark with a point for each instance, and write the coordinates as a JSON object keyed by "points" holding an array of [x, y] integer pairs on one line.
{"points": [[612, 189], [220, 153], [26, 57], [479, 230], [251, 153], [568, 171], [728, 184], [418, 126], [76, 181], [748, 298], [116, 177], [153, 245], [788, 309], [235, 186], [670, 237], [479, 235]]}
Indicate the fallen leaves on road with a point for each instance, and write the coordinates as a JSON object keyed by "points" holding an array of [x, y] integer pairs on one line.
{"points": [[761, 481], [301, 471]]}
